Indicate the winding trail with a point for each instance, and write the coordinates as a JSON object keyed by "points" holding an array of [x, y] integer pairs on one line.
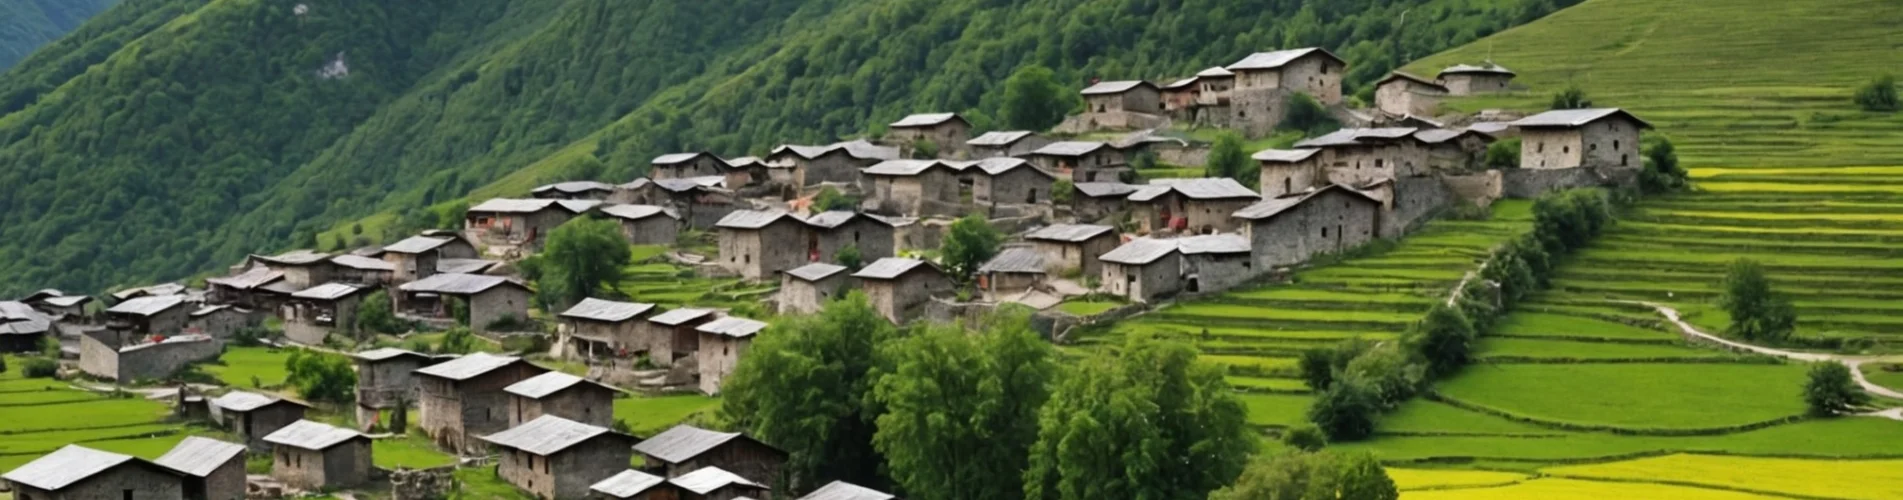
{"points": [[1854, 362]]}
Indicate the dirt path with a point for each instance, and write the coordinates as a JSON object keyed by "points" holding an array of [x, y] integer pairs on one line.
{"points": [[1854, 362]]}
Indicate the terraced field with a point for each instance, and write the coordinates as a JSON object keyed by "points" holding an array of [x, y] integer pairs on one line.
{"points": [[41, 415], [650, 278], [1670, 476]]}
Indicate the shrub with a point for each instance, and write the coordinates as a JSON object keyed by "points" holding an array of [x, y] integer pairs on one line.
{"points": [[459, 309], [527, 344], [1832, 390], [1346, 411], [1504, 154], [1305, 438], [251, 336], [1063, 190], [831, 199], [1444, 338], [849, 256], [1144, 160], [40, 368], [1757, 312], [1228, 159], [1571, 98], [1388, 373], [1879, 95], [1662, 173], [924, 149], [1307, 115], [378, 316], [321, 376], [508, 323], [458, 341]]}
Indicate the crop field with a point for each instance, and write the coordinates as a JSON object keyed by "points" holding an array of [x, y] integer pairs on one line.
{"points": [[650, 278], [1853, 479], [41, 415]]}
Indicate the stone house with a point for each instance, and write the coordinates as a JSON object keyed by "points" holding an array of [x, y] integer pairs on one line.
{"points": [[714, 483], [646, 224], [1289, 171], [603, 328], [1568, 138], [635, 485], [1143, 269], [76, 472], [1403, 94], [489, 298], [22, 327], [805, 289], [463, 398], [1313, 71], [698, 201], [211, 469], [531, 454], [829, 232], [1180, 96], [912, 187], [722, 343], [220, 322], [1005, 143], [674, 334], [252, 416], [149, 315], [746, 171], [1200, 205], [245, 289], [503, 221], [125, 357], [1081, 161], [841, 490], [948, 131], [896, 286], [1094, 201], [1216, 262], [1292, 229], [837, 163], [313, 456], [417, 257], [1014, 270], [385, 380], [1128, 104], [68, 309], [301, 268], [1465, 79], [561, 395], [312, 314], [574, 190], [1213, 86], [1362, 157], [684, 448], [361, 270], [1068, 248], [1454, 150], [148, 291], [687, 165], [753, 244], [1008, 181]]}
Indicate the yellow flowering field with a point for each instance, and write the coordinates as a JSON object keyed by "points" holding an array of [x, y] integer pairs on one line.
{"points": [[1572, 489], [1415, 479], [1855, 479]]}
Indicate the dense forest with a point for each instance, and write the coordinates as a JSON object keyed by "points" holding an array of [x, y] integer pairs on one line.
{"points": [[169, 137], [25, 25]]}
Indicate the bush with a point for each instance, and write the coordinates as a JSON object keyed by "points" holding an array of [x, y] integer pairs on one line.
{"points": [[1307, 115], [40, 368], [1832, 390], [1144, 160], [1879, 95], [1504, 154], [831, 199], [1063, 190], [508, 323], [1757, 312], [924, 149], [526, 344], [377, 315], [321, 376], [458, 340], [250, 336], [1388, 373], [1305, 438], [1571, 98], [1444, 338], [849, 256], [1662, 173], [1346, 411]]}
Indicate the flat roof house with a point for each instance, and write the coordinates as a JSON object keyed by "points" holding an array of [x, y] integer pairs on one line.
{"points": [[253, 416], [912, 187], [503, 221], [805, 289], [1200, 205], [312, 314], [488, 298], [561, 395], [604, 328], [636, 485], [1067, 247], [1569, 138], [1081, 161], [1143, 269], [1469, 79], [1313, 71], [684, 448], [686, 165], [212, 469], [833, 163], [1290, 230], [1008, 181], [573, 190], [896, 286], [1289, 171], [674, 334], [385, 379], [829, 232], [76, 472], [22, 327], [722, 343], [753, 244], [646, 224], [421, 256], [713, 483], [553, 457], [1005, 143], [948, 131], [463, 397], [1403, 94], [313, 456]]}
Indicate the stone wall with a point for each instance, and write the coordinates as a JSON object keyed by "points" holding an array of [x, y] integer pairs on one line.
{"points": [[494, 304], [422, 484], [1530, 183], [1217, 272], [1110, 120], [146, 361], [149, 482], [1188, 156], [1412, 202], [1327, 223], [1478, 188]]}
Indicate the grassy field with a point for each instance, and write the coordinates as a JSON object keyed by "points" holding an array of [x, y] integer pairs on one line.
{"points": [[647, 416], [648, 278], [240, 365], [1635, 395], [41, 415]]}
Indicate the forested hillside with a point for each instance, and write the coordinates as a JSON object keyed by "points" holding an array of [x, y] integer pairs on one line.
{"points": [[25, 25], [169, 137]]}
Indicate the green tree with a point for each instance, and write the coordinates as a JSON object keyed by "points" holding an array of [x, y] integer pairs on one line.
{"points": [[376, 314], [1346, 411], [808, 390], [831, 199], [924, 149], [40, 368], [1504, 154], [458, 309], [1444, 338], [1305, 437], [1307, 115], [1832, 390], [849, 256], [1757, 311], [321, 376], [3, 364], [1063, 190], [969, 243], [356, 229], [1033, 100], [458, 340], [961, 409], [1146, 421], [1879, 95], [1228, 159], [1662, 173], [1144, 160], [580, 256], [1572, 97], [1297, 475]]}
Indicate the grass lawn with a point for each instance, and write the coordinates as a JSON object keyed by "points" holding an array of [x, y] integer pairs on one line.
{"points": [[647, 416], [1561, 325], [1276, 409], [1850, 479], [239, 365], [1088, 307], [1570, 489], [1423, 416], [412, 451], [1636, 395], [482, 482]]}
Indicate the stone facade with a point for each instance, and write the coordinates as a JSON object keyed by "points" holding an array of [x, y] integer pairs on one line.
{"points": [[873, 238], [1476, 83], [455, 412], [741, 455], [897, 298], [308, 321], [1410, 202], [102, 355], [508, 228], [927, 193], [1143, 283], [1366, 164], [487, 306], [341, 466], [1406, 95], [382, 384], [1531, 183], [1099, 165], [1139, 98], [1018, 185], [135, 480], [950, 136], [227, 482], [1060, 256], [1315, 74], [616, 336], [1283, 178], [252, 426], [799, 296], [1604, 143], [1019, 147], [1214, 272], [700, 165], [654, 230], [220, 323], [718, 356], [1330, 221], [567, 473], [756, 254], [1199, 215], [584, 402]]}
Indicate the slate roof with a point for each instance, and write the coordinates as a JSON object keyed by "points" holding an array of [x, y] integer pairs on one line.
{"points": [[1274, 206], [751, 219], [199, 456], [678, 158], [733, 327], [417, 244], [1180, 83], [363, 263], [1440, 135], [540, 386], [1103, 189], [457, 284], [685, 184], [465, 266], [1073, 233], [159, 289], [637, 212], [1470, 68], [627, 484], [1203, 188], [65, 466], [1116, 87], [815, 271], [1215, 71], [67, 301], [249, 279], [468, 366], [606, 310], [207, 310], [902, 168], [311, 435], [280, 287], [294, 258], [328, 291], [241, 401], [1277, 59], [1284, 155], [832, 218], [1213, 243], [578, 206], [385, 353], [709, 479], [1015, 260], [925, 120], [574, 187], [857, 148], [17, 318], [678, 316], [889, 268], [999, 138], [996, 166], [683, 442], [509, 205], [1069, 148], [147, 306], [745, 162], [1353, 136], [1140, 251], [1575, 118], [841, 490], [1489, 128], [1402, 75]]}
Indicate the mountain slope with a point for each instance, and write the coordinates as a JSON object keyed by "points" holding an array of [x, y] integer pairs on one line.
{"points": [[25, 25]]}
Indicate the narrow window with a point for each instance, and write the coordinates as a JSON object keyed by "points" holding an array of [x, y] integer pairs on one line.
{"points": [[1615, 144], [126, 494], [1566, 150], [1539, 147], [1324, 232]]}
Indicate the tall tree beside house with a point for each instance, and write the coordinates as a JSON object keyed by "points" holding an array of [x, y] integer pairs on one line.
{"points": [[807, 389], [1504, 154], [1879, 95], [377, 315], [1228, 159], [1757, 312], [1145, 421], [961, 408], [1308, 115], [969, 243], [1661, 173], [581, 256], [1034, 100]]}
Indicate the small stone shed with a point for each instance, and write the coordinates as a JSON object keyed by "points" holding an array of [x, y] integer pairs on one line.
{"points": [[1403, 94], [1143, 269], [1364, 156], [1074, 247], [212, 469], [714, 483], [76, 472], [1570, 138], [553, 457], [1199, 206], [1216, 262], [1081, 161], [1005, 143], [841, 490], [833, 163], [636, 485], [386, 378], [253, 416], [1013, 270], [672, 334], [1094, 201], [519, 222], [912, 187], [463, 397], [685, 165], [22, 327], [1313, 71], [301, 268], [314, 313], [149, 315], [829, 232], [127, 357], [722, 343], [603, 328], [1008, 181], [806, 289], [1290, 230], [417, 257], [310, 455], [1289, 171], [948, 131], [561, 395], [1472, 79], [646, 224], [489, 298], [685, 448], [754, 244], [896, 286], [1123, 96], [573, 190]]}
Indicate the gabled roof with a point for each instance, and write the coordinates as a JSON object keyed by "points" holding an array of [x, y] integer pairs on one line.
{"points": [[241, 401], [711, 479], [1279, 58], [627, 484], [680, 316], [1570, 118], [67, 301], [573, 187], [1071, 233], [147, 306], [891, 268], [1104, 189], [1202, 188], [1358, 136], [465, 266], [1490, 128], [541, 386], [362, 263], [199, 456], [294, 258], [637, 212], [1276, 206], [745, 162], [606, 310], [927, 120], [999, 138], [815, 271], [459, 284], [841, 490], [1213, 243], [42, 294], [1284, 155], [1180, 83], [1482, 68], [1015, 260], [417, 244], [999, 165], [159, 289], [732, 327], [683, 442], [1401, 75], [17, 318], [1140, 251], [679, 158], [1117, 87], [903, 168], [328, 291], [203, 311], [1069, 148], [65, 466], [387, 353], [250, 278], [468, 366], [310, 435], [1441, 135], [1215, 72], [753, 219], [514, 206]]}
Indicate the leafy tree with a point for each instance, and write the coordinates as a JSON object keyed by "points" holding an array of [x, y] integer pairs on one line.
{"points": [[1298, 475], [1662, 173], [831, 199], [1444, 338], [1144, 160], [321, 376], [1832, 390], [969, 243], [1757, 312], [1572, 97], [581, 255], [1227, 159], [1307, 115], [808, 390], [458, 309], [1147, 421], [1346, 411], [376, 314], [1305, 438], [1504, 154], [924, 149], [961, 409], [356, 229], [849, 256], [1063, 190], [1358, 476], [1388, 372], [1033, 100], [1879, 95], [1317, 367], [458, 340]]}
